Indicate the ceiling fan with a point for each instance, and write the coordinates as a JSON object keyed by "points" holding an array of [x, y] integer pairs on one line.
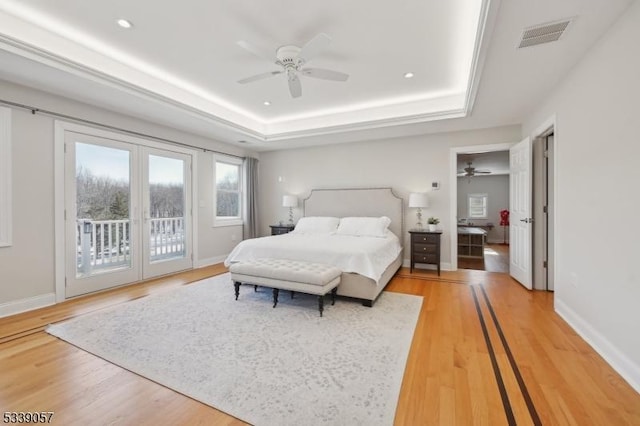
{"points": [[470, 171], [292, 60]]}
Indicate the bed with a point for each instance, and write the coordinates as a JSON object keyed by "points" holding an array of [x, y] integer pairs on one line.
{"points": [[368, 263]]}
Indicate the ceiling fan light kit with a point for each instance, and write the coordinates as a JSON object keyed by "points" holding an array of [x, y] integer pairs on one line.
{"points": [[292, 58], [471, 171]]}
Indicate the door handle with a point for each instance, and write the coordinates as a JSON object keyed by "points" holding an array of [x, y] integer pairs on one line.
{"points": [[527, 220]]}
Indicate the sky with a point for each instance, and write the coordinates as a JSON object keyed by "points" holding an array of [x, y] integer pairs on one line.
{"points": [[114, 163]]}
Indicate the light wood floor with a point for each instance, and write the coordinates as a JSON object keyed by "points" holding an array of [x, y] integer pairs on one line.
{"points": [[495, 259], [450, 377]]}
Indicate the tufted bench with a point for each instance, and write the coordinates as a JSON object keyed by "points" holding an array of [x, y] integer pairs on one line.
{"points": [[285, 274]]}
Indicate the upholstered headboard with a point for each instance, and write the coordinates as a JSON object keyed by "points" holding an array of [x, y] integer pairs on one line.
{"points": [[343, 202]]}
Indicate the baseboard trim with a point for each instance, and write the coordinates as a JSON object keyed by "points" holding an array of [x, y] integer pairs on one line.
{"points": [[629, 370], [201, 263], [28, 304]]}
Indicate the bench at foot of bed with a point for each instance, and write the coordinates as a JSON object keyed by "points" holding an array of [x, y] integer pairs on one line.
{"points": [[292, 275]]}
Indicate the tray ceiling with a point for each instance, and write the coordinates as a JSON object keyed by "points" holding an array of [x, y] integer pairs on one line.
{"points": [[180, 65]]}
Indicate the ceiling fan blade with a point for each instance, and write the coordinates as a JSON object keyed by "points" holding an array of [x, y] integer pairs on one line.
{"points": [[260, 53], [314, 46], [483, 172], [259, 77], [325, 74], [295, 88]]}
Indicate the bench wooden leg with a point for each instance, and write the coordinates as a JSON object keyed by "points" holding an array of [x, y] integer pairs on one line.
{"points": [[321, 304], [333, 295], [255, 288], [275, 296], [236, 284]]}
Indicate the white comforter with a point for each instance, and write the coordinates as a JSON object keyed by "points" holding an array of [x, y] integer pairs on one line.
{"points": [[368, 256]]}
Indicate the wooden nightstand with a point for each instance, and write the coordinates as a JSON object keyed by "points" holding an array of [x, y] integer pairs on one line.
{"points": [[425, 247], [281, 229]]}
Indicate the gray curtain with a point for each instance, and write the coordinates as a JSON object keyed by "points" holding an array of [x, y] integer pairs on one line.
{"points": [[251, 210]]}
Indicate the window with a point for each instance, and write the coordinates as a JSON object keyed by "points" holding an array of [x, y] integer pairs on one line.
{"points": [[228, 191], [477, 206], [5, 177]]}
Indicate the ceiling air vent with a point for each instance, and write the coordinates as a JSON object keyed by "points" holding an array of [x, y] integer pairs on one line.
{"points": [[543, 33]]}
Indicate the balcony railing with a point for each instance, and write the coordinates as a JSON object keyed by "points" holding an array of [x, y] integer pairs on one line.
{"points": [[105, 244], [167, 238]]}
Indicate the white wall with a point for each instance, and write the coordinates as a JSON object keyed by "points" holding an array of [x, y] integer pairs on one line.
{"points": [[406, 164], [497, 189], [27, 267], [598, 201]]}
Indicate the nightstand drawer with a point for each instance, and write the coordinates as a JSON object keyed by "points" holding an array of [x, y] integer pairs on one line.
{"points": [[425, 248], [281, 229], [425, 258], [425, 238]]}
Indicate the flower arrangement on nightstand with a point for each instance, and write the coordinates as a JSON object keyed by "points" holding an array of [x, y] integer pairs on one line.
{"points": [[433, 222]]}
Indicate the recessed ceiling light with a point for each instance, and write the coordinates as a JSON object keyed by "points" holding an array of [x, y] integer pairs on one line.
{"points": [[408, 75], [124, 23], [266, 103]]}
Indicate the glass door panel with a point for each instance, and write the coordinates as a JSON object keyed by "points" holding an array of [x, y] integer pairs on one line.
{"points": [[101, 232], [167, 201], [103, 218]]}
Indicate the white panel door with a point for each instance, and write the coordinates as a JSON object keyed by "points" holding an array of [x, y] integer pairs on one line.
{"points": [[520, 212]]}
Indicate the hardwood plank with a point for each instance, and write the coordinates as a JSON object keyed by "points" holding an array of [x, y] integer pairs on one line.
{"points": [[448, 378]]}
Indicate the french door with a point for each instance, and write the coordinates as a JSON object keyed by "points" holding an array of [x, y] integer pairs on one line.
{"points": [[127, 212], [166, 232]]}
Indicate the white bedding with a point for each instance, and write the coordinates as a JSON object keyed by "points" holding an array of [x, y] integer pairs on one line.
{"points": [[368, 256]]}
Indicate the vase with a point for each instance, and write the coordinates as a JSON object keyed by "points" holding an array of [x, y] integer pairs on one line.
{"points": [[432, 228]]}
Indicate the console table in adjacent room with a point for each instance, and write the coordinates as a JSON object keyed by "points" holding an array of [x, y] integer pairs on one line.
{"points": [[471, 242]]}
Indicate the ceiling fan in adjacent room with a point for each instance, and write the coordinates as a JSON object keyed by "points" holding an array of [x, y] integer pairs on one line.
{"points": [[292, 60], [471, 171]]}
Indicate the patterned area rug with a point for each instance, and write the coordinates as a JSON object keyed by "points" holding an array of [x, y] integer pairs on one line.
{"points": [[266, 366]]}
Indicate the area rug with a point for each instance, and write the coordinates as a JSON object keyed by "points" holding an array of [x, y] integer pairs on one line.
{"points": [[263, 365]]}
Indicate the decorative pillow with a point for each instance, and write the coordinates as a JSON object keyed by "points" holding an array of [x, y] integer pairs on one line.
{"points": [[364, 226], [317, 225]]}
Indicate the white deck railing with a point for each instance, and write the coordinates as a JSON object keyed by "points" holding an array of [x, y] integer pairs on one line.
{"points": [[167, 238], [105, 243]]}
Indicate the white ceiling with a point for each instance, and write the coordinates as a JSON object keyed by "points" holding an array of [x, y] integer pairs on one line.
{"points": [[180, 65]]}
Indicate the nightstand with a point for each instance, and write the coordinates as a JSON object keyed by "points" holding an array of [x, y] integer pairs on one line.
{"points": [[281, 229], [425, 247]]}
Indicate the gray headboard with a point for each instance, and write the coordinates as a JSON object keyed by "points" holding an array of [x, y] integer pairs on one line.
{"points": [[343, 202]]}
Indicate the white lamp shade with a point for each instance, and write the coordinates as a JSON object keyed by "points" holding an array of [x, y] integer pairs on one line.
{"points": [[418, 199], [289, 201]]}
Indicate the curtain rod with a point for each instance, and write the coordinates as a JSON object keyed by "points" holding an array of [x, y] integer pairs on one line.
{"points": [[35, 111]]}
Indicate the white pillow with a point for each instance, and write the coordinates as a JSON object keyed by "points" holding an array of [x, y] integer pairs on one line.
{"points": [[317, 225], [364, 226]]}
